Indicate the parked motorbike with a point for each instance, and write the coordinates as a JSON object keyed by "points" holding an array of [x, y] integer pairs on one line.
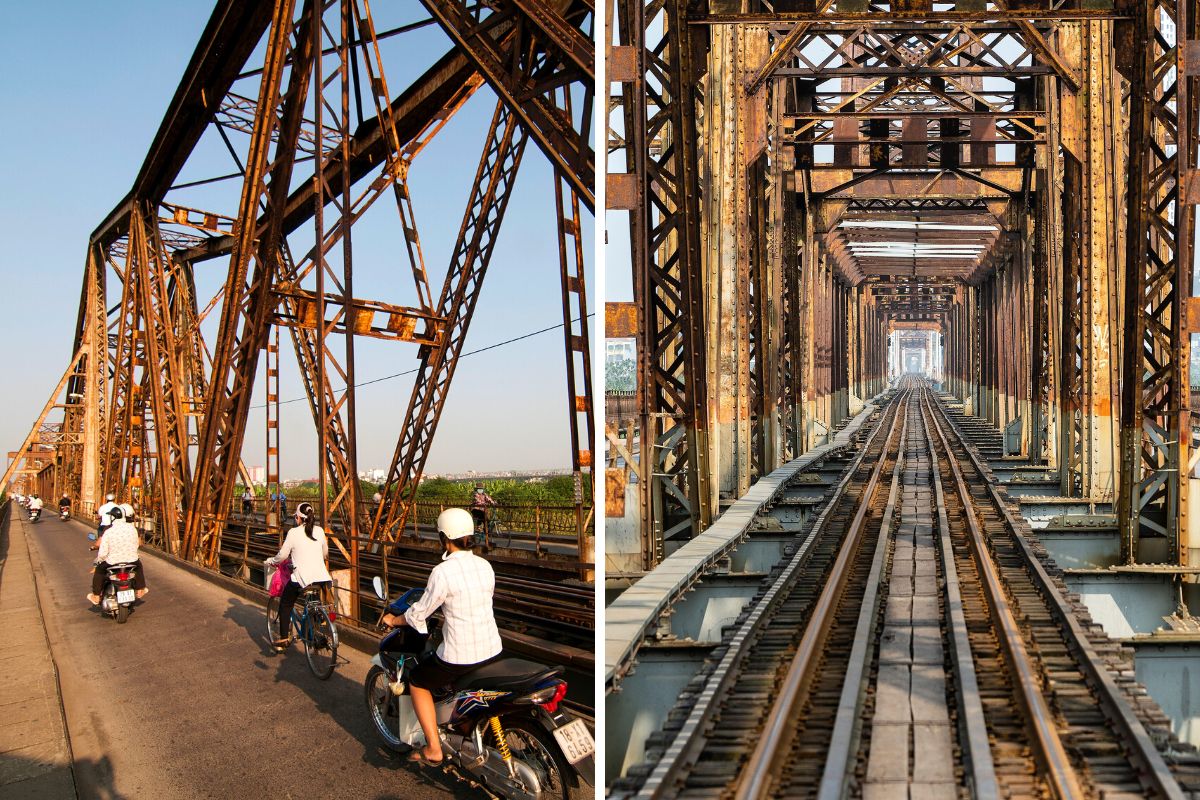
{"points": [[119, 594], [501, 725]]}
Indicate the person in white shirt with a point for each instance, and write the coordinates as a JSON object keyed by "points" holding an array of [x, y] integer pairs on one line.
{"points": [[247, 502], [308, 548], [35, 504], [462, 587], [119, 545]]}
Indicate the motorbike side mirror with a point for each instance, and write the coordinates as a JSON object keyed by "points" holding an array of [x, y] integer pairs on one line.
{"points": [[377, 584]]}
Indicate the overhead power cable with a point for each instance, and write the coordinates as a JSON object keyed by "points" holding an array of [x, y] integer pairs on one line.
{"points": [[515, 339]]}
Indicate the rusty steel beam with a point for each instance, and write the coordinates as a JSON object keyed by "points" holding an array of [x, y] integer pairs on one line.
{"points": [[659, 187], [245, 312], [413, 110], [233, 32], [780, 19], [503, 150], [148, 348], [545, 57], [1155, 436]]}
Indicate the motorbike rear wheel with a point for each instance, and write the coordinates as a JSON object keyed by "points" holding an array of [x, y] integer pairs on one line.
{"points": [[538, 750], [382, 706], [122, 614]]}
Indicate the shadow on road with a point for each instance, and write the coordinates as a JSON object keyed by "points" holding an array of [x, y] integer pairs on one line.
{"points": [[340, 698], [86, 779], [94, 780]]}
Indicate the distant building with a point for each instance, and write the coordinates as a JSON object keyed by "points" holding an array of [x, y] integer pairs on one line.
{"points": [[619, 350], [258, 475], [620, 366]]}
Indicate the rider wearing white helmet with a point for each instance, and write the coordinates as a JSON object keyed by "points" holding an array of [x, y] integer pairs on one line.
{"points": [[462, 586], [119, 545], [104, 512]]}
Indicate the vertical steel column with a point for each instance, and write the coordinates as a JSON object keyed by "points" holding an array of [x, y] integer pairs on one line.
{"points": [[734, 135], [578, 349], [1155, 419], [662, 195], [246, 309]]}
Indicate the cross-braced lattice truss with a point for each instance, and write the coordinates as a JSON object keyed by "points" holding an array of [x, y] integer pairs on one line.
{"points": [[301, 97], [865, 167]]}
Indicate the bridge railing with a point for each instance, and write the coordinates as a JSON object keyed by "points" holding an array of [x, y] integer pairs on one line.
{"points": [[553, 522]]}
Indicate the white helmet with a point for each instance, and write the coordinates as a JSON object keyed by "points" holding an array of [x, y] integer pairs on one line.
{"points": [[455, 523], [127, 510], [110, 497]]}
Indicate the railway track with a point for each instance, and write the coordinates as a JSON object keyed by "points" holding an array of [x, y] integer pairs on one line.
{"points": [[916, 645]]}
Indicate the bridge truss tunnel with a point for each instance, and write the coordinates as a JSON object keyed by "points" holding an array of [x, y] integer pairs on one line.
{"points": [[807, 179]]}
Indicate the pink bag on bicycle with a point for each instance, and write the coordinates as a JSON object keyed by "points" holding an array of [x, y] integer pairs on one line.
{"points": [[283, 574]]}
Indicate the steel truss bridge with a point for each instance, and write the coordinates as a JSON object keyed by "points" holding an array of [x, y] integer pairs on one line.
{"points": [[805, 177], [814, 189], [297, 94]]}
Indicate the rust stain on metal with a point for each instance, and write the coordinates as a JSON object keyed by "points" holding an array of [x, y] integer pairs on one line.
{"points": [[620, 320], [615, 479]]}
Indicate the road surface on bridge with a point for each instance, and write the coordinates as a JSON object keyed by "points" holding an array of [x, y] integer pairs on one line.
{"points": [[186, 700]]}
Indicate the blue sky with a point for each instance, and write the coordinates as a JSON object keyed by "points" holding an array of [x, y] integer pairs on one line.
{"points": [[88, 85]]}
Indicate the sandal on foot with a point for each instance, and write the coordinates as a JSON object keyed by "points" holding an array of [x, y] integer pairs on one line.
{"points": [[142, 593], [94, 599], [418, 757]]}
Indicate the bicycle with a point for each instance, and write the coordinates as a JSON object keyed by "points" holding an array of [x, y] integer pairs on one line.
{"points": [[312, 624], [495, 529]]}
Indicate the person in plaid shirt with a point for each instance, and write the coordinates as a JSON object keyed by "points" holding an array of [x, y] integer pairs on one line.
{"points": [[462, 587]]}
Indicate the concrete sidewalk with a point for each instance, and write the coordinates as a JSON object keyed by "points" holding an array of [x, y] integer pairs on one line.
{"points": [[35, 755]]}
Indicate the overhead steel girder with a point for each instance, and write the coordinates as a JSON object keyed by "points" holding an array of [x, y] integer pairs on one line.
{"points": [[412, 110], [233, 32], [893, 16], [547, 56]]}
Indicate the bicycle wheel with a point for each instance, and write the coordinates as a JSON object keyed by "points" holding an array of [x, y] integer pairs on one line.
{"points": [[320, 643], [272, 620]]}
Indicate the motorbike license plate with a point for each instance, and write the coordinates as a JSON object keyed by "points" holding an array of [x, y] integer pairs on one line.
{"points": [[125, 596], [575, 740]]}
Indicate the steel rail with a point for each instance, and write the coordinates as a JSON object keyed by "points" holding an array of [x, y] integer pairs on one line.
{"points": [[975, 740], [1154, 772], [762, 768], [842, 753], [683, 748], [1061, 774]]}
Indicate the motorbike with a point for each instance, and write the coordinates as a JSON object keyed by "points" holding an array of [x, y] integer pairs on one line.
{"points": [[119, 594], [64, 514], [35, 515], [502, 725]]}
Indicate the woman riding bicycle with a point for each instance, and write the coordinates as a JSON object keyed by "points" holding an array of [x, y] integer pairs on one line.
{"points": [[308, 548]]}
